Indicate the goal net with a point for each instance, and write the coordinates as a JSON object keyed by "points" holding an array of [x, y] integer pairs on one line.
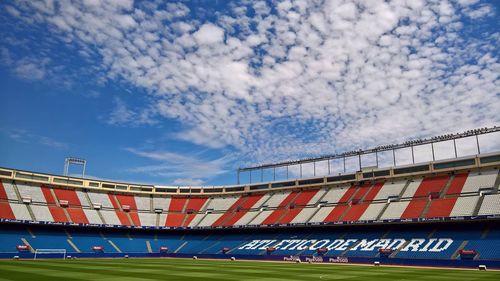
{"points": [[50, 253]]}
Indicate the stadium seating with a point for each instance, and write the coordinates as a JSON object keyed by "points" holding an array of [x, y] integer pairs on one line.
{"points": [[373, 211], [41, 213], [161, 202], [20, 211], [391, 189], [464, 206], [143, 203], [148, 219], [450, 195], [31, 191], [237, 210], [407, 241], [221, 203], [92, 216], [490, 205], [479, 180], [430, 216], [395, 210], [100, 198]]}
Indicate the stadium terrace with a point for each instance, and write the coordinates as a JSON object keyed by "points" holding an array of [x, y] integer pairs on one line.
{"points": [[441, 213]]}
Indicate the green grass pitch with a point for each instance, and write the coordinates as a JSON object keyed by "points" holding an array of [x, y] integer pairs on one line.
{"points": [[186, 269]]}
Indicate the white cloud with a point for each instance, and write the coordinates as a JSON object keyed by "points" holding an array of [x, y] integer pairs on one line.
{"points": [[13, 11], [209, 34], [120, 113], [480, 12], [30, 71], [23, 136], [29, 68], [181, 169], [311, 79], [52, 143]]}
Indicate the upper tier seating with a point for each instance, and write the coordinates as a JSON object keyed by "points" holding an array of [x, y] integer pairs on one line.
{"points": [[143, 203], [92, 216], [476, 181], [31, 191], [148, 219], [20, 211], [333, 195], [395, 210], [110, 217], [161, 203], [222, 203], [9, 191], [422, 197], [100, 198], [209, 219], [412, 188], [491, 205], [464, 206], [321, 214], [373, 211], [258, 219], [276, 199], [41, 213], [83, 199], [391, 189]]}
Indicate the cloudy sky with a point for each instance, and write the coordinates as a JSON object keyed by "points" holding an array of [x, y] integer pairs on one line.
{"points": [[185, 92]]}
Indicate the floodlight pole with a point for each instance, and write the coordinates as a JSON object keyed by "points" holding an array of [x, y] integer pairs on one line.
{"points": [[359, 160], [432, 147], [68, 161], [344, 164], [477, 143], [413, 155], [455, 147]]}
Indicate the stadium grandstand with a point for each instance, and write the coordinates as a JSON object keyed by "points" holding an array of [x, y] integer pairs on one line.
{"points": [[438, 213]]}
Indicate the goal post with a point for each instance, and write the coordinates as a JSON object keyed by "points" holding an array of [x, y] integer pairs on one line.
{"points": [[50, 253]]}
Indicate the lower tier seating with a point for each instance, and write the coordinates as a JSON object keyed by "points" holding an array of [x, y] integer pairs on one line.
{"points": [[414, 241]]}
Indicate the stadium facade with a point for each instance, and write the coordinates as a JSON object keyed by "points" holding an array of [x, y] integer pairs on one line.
{"points": [[442, 213]]}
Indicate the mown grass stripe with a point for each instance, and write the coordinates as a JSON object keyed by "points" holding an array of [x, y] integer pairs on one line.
{"points": [[185, 269]]}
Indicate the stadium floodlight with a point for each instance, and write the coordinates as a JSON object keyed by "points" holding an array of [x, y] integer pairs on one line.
{"points": [[52, 253], [68, 161], [381, 148]]}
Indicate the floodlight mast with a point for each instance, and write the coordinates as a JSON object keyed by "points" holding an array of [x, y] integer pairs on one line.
{"points": [[68, 161], [376, 150]]}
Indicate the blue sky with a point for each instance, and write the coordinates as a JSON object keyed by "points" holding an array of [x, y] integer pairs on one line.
{"points": [[185, 92]]}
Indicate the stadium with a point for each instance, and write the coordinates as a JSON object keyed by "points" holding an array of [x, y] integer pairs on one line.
{"points": [[437, 214], [249, 140]]}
